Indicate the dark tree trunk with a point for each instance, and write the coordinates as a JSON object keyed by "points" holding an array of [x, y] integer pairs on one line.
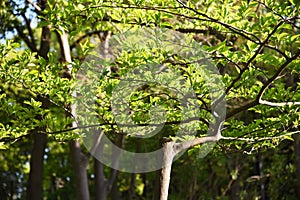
{"points": [[297, 163], [115, 191], [261, 175], [156, 183], [100, 182], [35, 181], [131, 192]]}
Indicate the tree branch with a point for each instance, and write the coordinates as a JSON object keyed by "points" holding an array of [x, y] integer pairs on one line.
{"points": [[268, 103], [278, 72], [183, 30], [178, 147], [45, 42], [29, 30], [130, 125], [232, 28], [36, 7], [253, 57], [260, 139], [25, 38], [262, 90], [89, 34]]}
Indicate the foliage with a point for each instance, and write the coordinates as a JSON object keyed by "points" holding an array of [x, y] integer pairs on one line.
{"points": [[254, 44]]}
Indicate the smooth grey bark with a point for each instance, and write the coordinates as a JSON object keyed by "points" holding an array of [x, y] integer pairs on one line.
{"points": [[79, 163], [170, 150], [100, 181], [168, 155], [79, 160], [105, 185]]}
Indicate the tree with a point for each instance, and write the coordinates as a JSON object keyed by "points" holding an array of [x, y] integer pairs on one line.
{"points": [[254, 44]]}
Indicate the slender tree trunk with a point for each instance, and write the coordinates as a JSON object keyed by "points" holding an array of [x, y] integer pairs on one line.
{"points": [[104, 185], [35, 181], [156, 183], [168, 155], [144, 179], [193, 185], [297, 163], [100, 181], [171, 149], [261, 175], [79, 160], [79, 163], [131, 192], [53, 187], [115, 191]]}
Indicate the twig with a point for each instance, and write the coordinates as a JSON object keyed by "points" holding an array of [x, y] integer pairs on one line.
{"points": [[264, 102], [259, 139], [37, 8]]}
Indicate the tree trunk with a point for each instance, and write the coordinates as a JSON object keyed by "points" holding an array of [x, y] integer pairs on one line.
{"points": [[261, 175], [100, 182], [297, 163], [131, 192], [115, 191], [79, 165], [156, 183], [79, 160], [35, 181], [168, 155], [104, 185]]}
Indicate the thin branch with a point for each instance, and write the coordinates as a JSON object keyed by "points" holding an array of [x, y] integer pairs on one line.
{"points": [[240, 109], [37, 8], [232, 28], [228, 59], [260, 139], [41, 95], [153, 8], [263, 43], [89, 34], [253, 57], [178, 147], [284, 18], [183, 30], [207, 18], [25, 38], [131, 125], [264, 87], [268, 103], [29, 29], [278, 72]]}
